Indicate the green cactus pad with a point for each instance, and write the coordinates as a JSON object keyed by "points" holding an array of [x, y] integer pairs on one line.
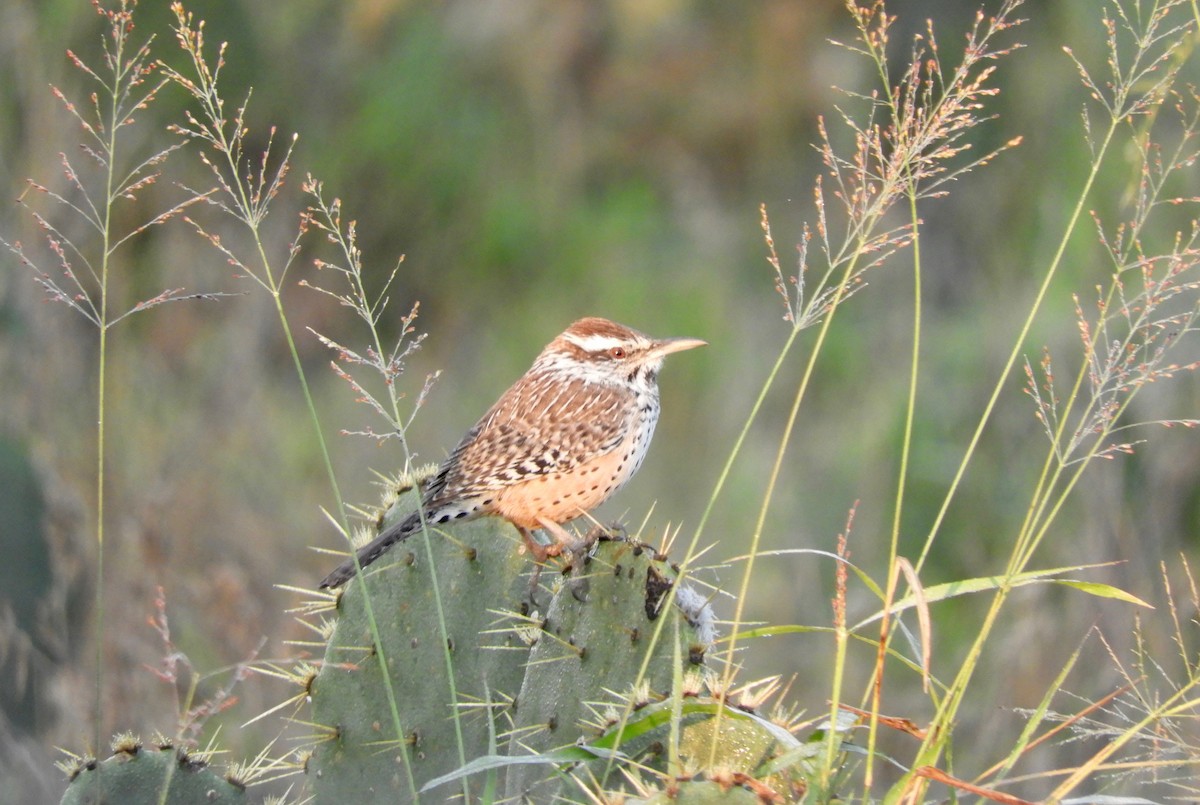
{"points": [[533, 669], [479, 572], [597, 650], [711, 736], [138, 775], [705, 793]]}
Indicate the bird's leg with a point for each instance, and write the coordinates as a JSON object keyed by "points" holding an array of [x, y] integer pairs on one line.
{"points": [[540, 554], [576, 547], [565, 539]]}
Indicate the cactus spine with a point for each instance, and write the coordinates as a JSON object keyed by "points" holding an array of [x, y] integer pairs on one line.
{"points": [[533, 671], [138, 775]]}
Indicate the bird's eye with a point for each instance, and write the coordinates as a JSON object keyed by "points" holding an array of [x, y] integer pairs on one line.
{"points": [[617, 352]]}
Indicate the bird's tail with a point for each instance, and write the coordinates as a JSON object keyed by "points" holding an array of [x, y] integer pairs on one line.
{"points": [[374, 549]]}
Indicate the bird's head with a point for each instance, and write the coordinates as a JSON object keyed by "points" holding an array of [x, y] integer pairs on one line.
{"points": [[607, 352]]}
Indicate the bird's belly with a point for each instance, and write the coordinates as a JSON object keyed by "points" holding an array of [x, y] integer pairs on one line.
{"points": [[563, 496]]}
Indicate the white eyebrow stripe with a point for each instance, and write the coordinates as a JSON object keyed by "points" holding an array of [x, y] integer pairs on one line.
{"points": [[594, 342]]}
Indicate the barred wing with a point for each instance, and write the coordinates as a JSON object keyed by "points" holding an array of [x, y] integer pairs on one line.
{"points": [[542, 424]]}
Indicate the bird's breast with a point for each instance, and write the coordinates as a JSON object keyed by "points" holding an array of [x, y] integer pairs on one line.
{"points": [[564, 495]]}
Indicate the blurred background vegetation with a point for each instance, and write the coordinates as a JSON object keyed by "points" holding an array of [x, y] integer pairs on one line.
{"points": [[534, 162]]}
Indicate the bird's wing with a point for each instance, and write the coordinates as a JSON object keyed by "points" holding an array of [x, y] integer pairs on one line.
{"points": [[540, 425]]}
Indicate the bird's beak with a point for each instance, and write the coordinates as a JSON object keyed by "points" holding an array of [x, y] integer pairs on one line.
{"points": [[666, 346]]}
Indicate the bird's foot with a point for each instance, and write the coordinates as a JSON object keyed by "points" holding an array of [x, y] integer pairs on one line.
{"points": [[613, 532]]}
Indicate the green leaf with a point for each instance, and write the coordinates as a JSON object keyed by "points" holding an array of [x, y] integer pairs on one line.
{"points": [[1103, 591], [569, 754], [953, 589]]}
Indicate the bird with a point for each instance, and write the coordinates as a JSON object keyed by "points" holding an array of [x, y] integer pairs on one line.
{"points": [[560, 441]]}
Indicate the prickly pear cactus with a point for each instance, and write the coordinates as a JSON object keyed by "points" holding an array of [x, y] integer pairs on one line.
{"points": [[705, 792], [535, 668], [141, 775], [596, 650], [480, 575], [732, 745]]}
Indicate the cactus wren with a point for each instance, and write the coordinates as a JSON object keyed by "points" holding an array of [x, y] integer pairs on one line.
{"points": [[567, 435]]}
